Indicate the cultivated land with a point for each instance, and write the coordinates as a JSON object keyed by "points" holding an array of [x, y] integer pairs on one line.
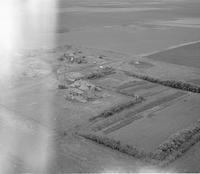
{"points": [[109, 101], [188, 54]]}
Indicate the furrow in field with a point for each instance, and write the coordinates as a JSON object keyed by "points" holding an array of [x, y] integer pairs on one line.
{"points": [[130, 84]]}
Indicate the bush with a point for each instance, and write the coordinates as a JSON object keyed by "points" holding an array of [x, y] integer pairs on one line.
{"points": [[99, 73], [62, 86]]}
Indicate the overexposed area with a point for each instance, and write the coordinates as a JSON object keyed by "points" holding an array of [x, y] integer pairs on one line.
{"points": [[22, 24]]}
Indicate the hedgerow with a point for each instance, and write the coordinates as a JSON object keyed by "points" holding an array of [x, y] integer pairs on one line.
{"points": [[177, 142], [168, 151], [170, 83], [116, 145]]}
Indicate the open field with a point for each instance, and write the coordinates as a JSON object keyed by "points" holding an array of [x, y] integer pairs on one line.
{"points": [[128, 26], [187, 55]]}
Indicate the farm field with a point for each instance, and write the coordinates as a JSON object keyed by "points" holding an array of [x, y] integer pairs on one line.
{"points": [[100, 86], [156, 126], [188, 54], [164, 112], [143, 114]]}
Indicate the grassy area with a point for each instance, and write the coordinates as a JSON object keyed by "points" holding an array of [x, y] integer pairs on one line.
{"points": [[116, 109], [170, 83]]}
